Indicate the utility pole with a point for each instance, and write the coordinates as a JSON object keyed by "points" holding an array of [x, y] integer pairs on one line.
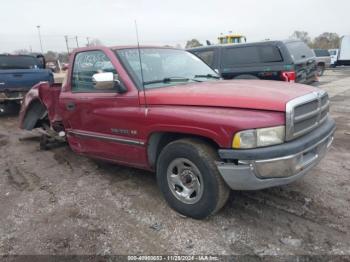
{"points": [[66, 38], [76, 40], [41, 44]]}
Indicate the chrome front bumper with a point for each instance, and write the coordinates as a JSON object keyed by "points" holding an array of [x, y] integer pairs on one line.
{"points": [[264, 173]]}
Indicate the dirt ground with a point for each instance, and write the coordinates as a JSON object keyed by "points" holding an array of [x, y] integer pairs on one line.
{"points": [[56, 202]]}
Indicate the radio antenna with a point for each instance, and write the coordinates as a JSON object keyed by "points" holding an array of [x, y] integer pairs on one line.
{"points": [[141, 70]]}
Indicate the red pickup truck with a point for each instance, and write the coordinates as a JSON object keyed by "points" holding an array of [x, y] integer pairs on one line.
{"points": [[165, 110]]}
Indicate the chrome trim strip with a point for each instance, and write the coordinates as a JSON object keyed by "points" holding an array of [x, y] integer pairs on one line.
{"points": [[107, 138], [299, 101], [325, 106], [306, 116]]}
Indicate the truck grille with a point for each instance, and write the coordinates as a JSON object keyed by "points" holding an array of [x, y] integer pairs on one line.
{"points": [[303, 114]]}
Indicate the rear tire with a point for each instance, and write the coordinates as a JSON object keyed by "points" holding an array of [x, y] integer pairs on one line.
{"points": [[320, 69], [189, 180]]}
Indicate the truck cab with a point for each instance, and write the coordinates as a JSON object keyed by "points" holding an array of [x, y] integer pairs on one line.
{"points": [[165, 110]]}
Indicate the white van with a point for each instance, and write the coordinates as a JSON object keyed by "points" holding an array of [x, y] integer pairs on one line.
{"points": [[344, 51], [334, 56]]}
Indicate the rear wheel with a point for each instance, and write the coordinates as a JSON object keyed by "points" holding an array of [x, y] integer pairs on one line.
{"points": [[320, 69], [189, 179]]}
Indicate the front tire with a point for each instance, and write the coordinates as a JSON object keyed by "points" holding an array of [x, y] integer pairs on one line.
{"points": [[188, 177]]}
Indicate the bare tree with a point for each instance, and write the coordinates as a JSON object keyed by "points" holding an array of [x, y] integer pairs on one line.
{"points": [[63, 57], [51, 56], [301, 35], [193, 43], [326, 40], [21, 52], [94, 42]]}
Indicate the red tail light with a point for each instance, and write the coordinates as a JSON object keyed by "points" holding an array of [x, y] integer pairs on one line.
{"points": [[288, 76]]}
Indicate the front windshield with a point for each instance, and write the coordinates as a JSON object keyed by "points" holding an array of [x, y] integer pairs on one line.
{"points": [[164, 67]]}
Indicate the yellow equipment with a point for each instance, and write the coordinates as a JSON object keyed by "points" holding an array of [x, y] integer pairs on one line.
{"points": [[232, 39]]}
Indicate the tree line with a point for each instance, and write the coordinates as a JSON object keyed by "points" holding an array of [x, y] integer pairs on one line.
{"points": [[53, 55], [326, 40]]}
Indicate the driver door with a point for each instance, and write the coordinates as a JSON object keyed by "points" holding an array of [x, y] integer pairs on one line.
{"points": [[96, 116]]}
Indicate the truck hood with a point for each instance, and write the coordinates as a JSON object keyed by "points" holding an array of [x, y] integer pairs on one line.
{"points": [[250, 94]]}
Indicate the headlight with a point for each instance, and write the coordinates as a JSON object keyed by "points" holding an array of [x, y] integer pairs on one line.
{"points": [[259, 137]]}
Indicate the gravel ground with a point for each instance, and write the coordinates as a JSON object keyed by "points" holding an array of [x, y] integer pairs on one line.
{"points": [[56, 202]]}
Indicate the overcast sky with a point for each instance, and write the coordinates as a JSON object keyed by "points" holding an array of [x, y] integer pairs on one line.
{"points": [[163, 21]]}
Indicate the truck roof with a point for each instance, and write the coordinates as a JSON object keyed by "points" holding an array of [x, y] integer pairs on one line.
{"points": [[121, 47], [244, 44]]}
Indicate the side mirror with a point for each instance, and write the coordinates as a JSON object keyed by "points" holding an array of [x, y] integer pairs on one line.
{"points": [[108, 81]]}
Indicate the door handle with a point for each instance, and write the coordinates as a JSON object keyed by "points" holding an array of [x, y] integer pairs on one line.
{"points": [[70, 106]]}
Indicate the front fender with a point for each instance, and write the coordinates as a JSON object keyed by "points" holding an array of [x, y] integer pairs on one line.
{"points": [[41, 100], [218, 124], [30, 99]]}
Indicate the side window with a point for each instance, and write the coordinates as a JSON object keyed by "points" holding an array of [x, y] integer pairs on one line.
{"points": [[207, 56], [270, 54], [299, 50], [240, 56], [86, 64]]}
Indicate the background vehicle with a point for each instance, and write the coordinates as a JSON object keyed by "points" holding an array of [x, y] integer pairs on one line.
{"points": [[323, 60], [232, 39], [334, 56], [171, 114], [344, 51], [18, 73], [54, 65], [271, 60]]}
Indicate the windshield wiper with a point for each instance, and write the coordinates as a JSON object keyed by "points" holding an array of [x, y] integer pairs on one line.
{"points": [[169, 80], [208, 76]]}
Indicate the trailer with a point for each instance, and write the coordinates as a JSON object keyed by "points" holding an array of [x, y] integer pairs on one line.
{"points": [[344, 51]]}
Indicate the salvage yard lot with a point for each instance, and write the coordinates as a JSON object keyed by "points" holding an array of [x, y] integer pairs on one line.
{"points": [[56, 202]]}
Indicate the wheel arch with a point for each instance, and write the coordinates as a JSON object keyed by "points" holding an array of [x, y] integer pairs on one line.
{"points": [[158, 140], [34, 114]]}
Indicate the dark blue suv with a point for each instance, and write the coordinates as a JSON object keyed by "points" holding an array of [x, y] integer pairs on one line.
{"points": [[290, 60]]}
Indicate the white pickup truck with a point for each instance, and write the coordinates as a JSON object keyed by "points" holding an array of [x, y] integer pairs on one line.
{"points": [[323, 60]]}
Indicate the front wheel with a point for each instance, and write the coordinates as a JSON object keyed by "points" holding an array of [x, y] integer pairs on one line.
{"points": [[189, 179]]}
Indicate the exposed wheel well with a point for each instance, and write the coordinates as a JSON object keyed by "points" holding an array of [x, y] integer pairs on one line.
{"points": [[157, 141], [35, 116]]}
